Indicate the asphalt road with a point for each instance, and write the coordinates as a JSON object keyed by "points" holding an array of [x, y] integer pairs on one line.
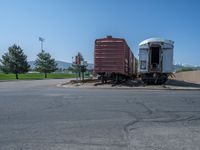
{"points": [[37, 115]]}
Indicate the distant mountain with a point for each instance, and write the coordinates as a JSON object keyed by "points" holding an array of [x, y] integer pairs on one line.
{"points": [[63, 65], [60, 64], [182, 66], [32, 64]]}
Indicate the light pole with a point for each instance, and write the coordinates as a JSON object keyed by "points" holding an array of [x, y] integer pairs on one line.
{"points": [[41, 40]]}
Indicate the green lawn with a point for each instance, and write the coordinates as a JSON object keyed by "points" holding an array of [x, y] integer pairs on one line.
{"points": [[36, 76]]}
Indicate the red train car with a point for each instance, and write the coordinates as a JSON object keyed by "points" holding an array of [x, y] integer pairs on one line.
{"points": [[113, 59]]}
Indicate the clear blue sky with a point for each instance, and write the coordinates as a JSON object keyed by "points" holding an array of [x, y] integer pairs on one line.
{"points": [[69, 26]]}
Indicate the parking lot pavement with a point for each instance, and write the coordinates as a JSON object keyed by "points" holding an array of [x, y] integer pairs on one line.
{"points": [[39, 115]]}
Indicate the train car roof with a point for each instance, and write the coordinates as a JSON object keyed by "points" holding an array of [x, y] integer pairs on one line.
{"points": [[156, 40], [111, 39]]}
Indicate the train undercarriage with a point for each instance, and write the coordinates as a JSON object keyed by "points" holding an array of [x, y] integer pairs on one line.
{"points": [[113, 77], [154, 78]]}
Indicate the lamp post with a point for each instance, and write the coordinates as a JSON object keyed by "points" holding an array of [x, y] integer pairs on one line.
{"points": [[41, 40]]}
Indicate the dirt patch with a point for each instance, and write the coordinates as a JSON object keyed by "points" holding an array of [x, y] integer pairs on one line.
{"points": [[135, 84], [84, 81], [189, 76]]}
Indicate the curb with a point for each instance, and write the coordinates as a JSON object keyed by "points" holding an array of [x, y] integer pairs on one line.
{"points": [[182, 88], [63, 85]]}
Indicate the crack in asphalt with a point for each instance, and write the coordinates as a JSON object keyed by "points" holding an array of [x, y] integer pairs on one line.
{"points": [[155, 116], [149, 111]]}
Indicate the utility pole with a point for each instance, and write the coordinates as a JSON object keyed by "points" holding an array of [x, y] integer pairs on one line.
{"points": [[41, 40]]}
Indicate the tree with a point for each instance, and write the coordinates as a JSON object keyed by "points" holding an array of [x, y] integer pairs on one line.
{"points": [[45, 64], [14, 61], [70, 68]]}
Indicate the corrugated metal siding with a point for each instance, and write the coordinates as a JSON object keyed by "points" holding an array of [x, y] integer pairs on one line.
{"points": [[112, 55]]}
